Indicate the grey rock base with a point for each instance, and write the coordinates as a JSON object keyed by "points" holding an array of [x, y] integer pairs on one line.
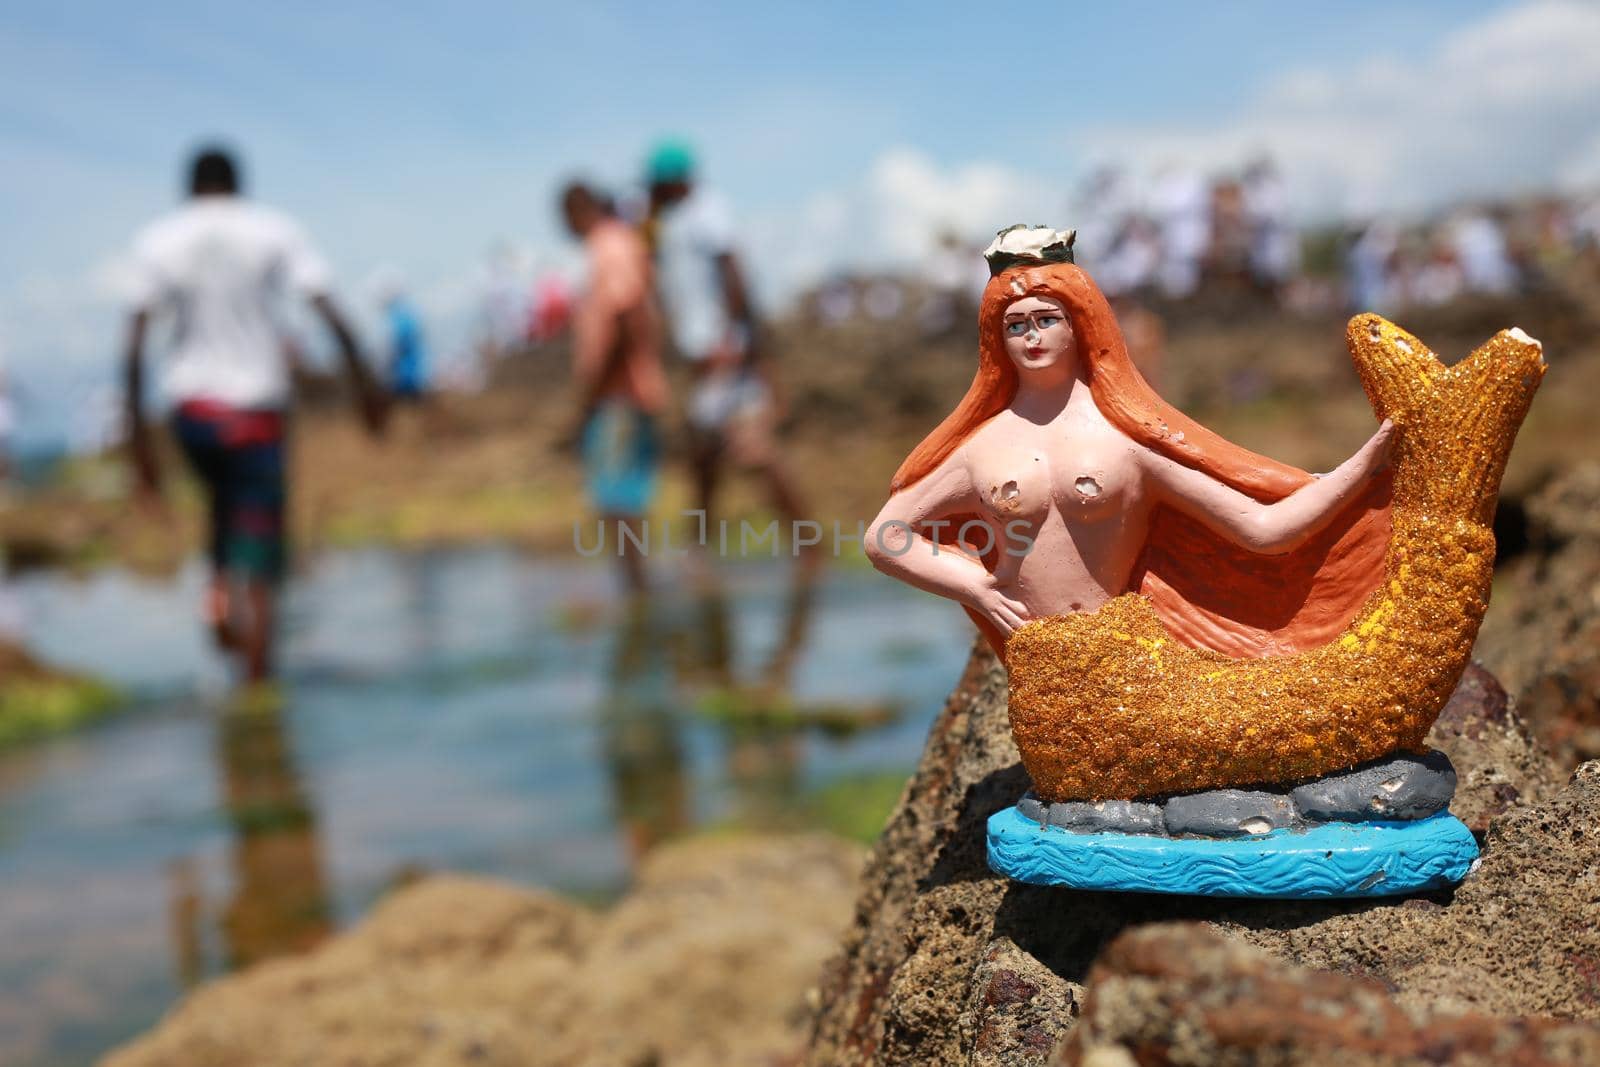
{"points": [[1398, 788], [1229, 813], [1127, 816], [1088, 817]]}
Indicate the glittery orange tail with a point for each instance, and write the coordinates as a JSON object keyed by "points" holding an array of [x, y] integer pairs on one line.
{"points": [[1108, 704], [1456, 423]]}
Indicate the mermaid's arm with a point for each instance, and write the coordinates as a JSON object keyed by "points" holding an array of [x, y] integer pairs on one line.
{"points": [[1270, 529], [897, 547]]}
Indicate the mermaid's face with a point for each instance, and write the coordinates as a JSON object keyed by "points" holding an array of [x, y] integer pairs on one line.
{"points": [[1038, 334]]}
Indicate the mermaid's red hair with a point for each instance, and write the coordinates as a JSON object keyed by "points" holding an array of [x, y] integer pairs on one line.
{"points": [[1209, 593]]}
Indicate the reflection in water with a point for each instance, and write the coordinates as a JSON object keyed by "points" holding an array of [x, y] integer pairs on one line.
{"points": [[455, 719], [763, 723], [422, 579], [280, 900], [779, 674], [643, 752], [764, 773], [643, 714], [763, 757], [186, 916]]}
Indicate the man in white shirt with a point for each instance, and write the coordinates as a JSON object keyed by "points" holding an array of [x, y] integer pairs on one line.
{"points": [[732, 410], [218, 265]]}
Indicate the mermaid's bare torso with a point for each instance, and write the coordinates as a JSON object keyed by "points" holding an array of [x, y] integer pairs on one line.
{"points": [[1071, 493]]}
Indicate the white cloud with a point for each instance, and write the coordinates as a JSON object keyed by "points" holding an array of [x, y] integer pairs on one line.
{"points": [[893, 216], [1507, 103]]}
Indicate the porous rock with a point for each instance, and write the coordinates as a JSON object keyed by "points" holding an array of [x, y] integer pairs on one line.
{"points": [[1202, 999], [1542, 633], [1498, 763], [705, 962], [1228, 813], [1520, 937], [438, 974], [1015, 1002], [1399, 787]]}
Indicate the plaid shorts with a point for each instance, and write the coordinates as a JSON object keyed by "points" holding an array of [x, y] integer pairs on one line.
{"points": [[238, 455]]}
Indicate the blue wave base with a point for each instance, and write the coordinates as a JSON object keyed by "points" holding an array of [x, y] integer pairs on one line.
{"points": [[1368, 859]]}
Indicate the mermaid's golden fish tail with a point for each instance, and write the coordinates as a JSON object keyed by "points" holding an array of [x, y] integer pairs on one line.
{"points": [[1399, 373], [1456, 424], [1107, 705], [1490, 392]]}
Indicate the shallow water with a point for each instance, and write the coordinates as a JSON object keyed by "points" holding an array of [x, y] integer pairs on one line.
{"points": [[476, 711]]}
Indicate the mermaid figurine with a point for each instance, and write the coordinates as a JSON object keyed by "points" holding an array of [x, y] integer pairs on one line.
{"points": [[1222, 668]]}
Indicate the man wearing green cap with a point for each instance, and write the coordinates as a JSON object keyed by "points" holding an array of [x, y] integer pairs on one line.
{"points": [[732, 412]]}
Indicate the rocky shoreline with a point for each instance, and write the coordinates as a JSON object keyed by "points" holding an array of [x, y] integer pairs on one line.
{"points": [[713, 957], [706, 961]]}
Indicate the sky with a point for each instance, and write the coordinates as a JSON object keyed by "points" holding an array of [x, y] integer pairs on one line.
{"points": [[413, 139]]}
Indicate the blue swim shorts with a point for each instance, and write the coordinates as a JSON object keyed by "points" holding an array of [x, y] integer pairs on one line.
{"points": [[621, 452]]}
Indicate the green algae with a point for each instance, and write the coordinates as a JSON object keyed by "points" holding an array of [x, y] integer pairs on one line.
{"points": [[46, 705]]}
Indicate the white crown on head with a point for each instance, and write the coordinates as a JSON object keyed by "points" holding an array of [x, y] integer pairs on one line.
{"points": [[1028, 244]]}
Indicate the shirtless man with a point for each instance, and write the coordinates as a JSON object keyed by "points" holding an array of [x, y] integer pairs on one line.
{"points": [[616, 367]]}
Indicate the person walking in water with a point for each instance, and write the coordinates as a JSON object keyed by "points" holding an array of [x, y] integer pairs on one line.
{"points": [[218, 265], [622, 389], [732, 408]]}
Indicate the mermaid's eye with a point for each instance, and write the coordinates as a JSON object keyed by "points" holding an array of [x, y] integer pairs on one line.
{"points": [[1047, 321], [1016, 329]]}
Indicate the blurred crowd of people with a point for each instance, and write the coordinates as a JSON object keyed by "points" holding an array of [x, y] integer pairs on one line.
{"points": [[1182, 233], [1179, 236], [1169, 236], [1495, 250], [1165, 240], [1188, 234]]}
